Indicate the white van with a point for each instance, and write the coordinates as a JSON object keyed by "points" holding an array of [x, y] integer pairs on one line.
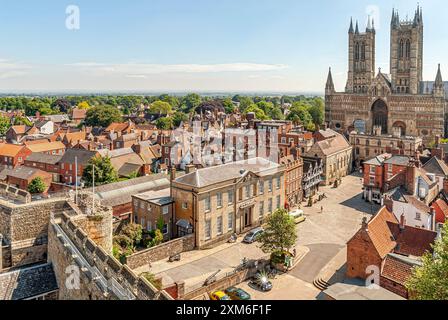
{"points": [[298, 216]]}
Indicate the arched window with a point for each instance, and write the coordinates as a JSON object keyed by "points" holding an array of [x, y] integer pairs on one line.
{"points": [[363, 52], [357, 51], [408, 48], [401, 49]]}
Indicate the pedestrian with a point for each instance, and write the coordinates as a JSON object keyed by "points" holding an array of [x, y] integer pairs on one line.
{"points": [[294, 252], [321, 209]]}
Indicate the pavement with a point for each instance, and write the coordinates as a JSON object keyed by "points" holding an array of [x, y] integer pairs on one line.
{"points": [[321, 243]]}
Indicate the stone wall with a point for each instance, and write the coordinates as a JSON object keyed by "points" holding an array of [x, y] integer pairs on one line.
{"points": [[62, 254], [5, 257], [163, 251], [13, 193], [231, 279]]}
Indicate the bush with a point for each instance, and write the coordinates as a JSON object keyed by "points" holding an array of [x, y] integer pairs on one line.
{"points": [[37, 185], [134, 232], [152, 279]]}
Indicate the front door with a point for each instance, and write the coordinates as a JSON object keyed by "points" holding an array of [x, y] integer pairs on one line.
{"points": [[247, 217]]}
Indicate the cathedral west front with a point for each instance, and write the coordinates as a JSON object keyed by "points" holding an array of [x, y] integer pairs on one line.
{"points": [[400, 100]]}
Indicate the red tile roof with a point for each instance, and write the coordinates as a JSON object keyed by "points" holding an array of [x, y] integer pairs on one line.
{"points": [[412, 241], [380, 233], [397, 269]]}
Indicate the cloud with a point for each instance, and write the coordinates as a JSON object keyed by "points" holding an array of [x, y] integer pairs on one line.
{"points": [[12, 69], [142, 69]]}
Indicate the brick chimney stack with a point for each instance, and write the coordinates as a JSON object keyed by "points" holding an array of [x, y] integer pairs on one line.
{"points": [[411, 173], [402, 222], [365, 224]]}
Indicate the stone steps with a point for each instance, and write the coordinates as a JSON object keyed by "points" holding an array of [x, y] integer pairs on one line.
{"points": [[321, 284]]}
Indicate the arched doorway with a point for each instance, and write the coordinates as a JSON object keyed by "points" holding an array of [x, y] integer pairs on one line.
{"points": [[401, 125], [380, 115]]}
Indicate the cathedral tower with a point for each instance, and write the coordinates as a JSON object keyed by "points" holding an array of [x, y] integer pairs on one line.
{"points": [[361, 58], [406, 53]]}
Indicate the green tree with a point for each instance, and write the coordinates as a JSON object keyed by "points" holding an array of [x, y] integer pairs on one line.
{"points": [[165, 123], [280, 233], [245, 102], [103, 116], [299, 114], [178, 118], [259, 113], [104, 171], [160, 107], [18, 121], [37, 185], [5, 124], [134, 232], [190, 102], [228, 105], [430, 281]]}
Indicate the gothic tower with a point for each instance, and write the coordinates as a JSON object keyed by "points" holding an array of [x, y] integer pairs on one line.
{"points": [[361, 58], [406, 53]]}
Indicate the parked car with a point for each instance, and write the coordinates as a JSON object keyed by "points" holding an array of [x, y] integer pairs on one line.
{"points": [[219, 295], [252, 236], [263, 285], [298, 216], [237, 294]]}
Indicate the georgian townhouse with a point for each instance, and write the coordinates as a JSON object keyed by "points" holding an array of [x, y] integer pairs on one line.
{"points": [[231, 198]]}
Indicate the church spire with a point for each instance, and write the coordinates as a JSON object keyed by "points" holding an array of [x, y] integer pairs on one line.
{"points": [[439, 86], [369, 24], [357, 28], [439, 80], [329, 87], [350, 30]]}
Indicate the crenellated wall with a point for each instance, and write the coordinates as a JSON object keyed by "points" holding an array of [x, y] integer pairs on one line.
{"points": [[102, 276]]}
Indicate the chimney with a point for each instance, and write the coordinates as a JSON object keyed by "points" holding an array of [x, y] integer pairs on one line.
{"points": [[365, 224], [402, 222], [173, 173], [411, 172], [190, 168], [433, 219]]}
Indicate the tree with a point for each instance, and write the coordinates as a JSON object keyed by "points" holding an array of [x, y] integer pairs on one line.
{"points": [[299, 114], [104, 172], [19, 121], [259, 113], [190, 102], [245, 102], [178, 118], [102, 116], [165, 123], [430, 281], [280, 233], [134, 232], [160, 107], [37, 185], [61, 105], [228, 105], [84, 105], [5, 124]]}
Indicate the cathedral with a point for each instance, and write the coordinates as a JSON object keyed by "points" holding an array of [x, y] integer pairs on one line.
{"points": [[400, 100]]}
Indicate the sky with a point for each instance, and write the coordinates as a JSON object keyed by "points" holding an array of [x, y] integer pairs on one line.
{"points": [[197, 45]]}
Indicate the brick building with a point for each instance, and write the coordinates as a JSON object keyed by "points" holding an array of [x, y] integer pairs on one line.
{"points": [[293, 181], [149, 207], [12, 155], [382, 236]]}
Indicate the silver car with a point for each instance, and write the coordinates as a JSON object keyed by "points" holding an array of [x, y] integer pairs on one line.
{"points": [[252, 236]]}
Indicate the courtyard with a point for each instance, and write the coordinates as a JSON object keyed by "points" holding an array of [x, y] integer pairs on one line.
{"points": [[320, 246]]}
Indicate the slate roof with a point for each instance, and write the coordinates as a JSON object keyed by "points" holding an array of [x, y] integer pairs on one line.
{"points": [[160, 197], [114, 194], [345, 291], [378, 160], [234, 170], [128, 168], [83, 156], [398, 160], [26, 173], [436, 166], [44, 158], [27, 282]]}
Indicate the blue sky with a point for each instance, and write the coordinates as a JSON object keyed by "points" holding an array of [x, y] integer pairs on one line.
{"points": [[197, 45]]}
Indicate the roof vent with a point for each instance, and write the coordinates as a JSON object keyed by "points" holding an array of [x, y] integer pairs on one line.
{"points": [[242, 171]]}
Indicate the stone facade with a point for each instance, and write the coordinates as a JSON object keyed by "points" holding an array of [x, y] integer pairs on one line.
{"points": [[366, 147], [227, 206], [399, 100]]}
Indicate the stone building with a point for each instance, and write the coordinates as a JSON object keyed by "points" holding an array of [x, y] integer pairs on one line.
{"points": [[366, 146], [400, 99], [231, 198], [312, 177], [336, 155]]}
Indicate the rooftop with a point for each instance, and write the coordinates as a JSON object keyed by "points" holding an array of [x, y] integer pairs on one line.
{"points": [[160, 197], [344, 291], [234, 170]]}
